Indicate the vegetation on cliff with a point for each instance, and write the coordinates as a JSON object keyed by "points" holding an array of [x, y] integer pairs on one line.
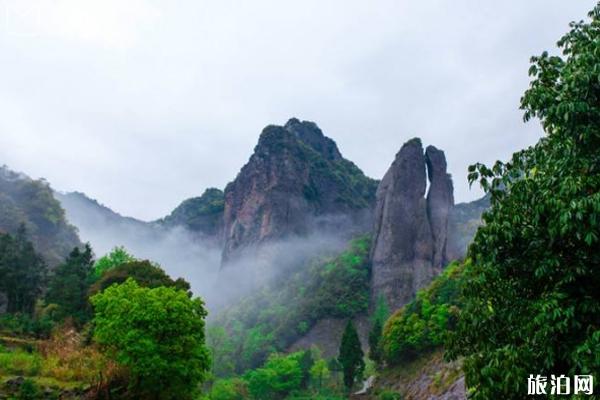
{"points": [[202, 214], [274, 318], [423, 324]]}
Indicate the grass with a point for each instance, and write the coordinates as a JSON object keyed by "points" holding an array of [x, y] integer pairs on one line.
{"points": [[61, 363], [44, 381], [19, 362]]}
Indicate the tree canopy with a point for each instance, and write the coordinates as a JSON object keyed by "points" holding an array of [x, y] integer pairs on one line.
{"points": [[116, 257], [22, 272], [157, 334], [145, 273], [68, 287], [532, 303]]}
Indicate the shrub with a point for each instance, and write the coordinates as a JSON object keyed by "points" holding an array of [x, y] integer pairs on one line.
{"points": [[389, 395], [229, 389], [28, 390], [157, 334], [19, 362], [424, 323]]}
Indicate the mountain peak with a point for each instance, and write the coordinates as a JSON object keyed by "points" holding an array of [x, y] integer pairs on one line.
{"points": [[311, 135], [295, 174]]}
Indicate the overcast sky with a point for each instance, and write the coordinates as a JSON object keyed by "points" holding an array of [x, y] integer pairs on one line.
{"points": [[143, 103]]}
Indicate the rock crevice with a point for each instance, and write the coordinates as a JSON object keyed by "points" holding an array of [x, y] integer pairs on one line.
{"points": [[410, 229]]}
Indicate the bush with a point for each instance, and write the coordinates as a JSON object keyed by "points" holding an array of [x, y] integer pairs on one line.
{"points": [[229, 389], [66, 358], [277, 378], [29, 390], [157, 335], [424, 323], [19, 362], [389, 395], [25, 325]]}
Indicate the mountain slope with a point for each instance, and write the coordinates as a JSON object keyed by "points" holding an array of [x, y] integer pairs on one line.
{"points": [[202, 215], [181, 252], [31, 202]]}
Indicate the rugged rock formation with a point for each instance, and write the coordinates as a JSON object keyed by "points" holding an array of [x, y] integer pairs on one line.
{"points": [[439, 203], [410, 231], [295, 182], [429, 377]]}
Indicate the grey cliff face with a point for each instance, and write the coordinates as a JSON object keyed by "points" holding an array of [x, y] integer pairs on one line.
{"points": [[440, 201], [410, 231], [295, 177]]}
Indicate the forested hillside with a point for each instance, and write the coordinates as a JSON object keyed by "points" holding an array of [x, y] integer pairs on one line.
{"points": [[28, 202]]}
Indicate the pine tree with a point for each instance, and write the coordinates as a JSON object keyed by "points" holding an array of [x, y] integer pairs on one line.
{"points": [[69, 286], [380, 315], [22, 272], [351, 355], [375, 341]]}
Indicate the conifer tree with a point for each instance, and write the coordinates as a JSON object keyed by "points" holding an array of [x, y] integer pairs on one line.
{"points": [[69, 285], [351, 355]]}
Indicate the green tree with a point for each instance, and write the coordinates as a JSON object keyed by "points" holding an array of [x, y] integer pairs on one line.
{"points": [[222, 350], [69, 285], [22, 272], [380, 315], [229, 389], [351, 356], [532, 303], [306, 362], [277, 378], [319, 372], [116, 257], [157, 334], [375, 341], [145, 273]]}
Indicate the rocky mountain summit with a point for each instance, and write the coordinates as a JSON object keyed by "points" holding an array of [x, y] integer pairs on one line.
{"points": [[295, 182], [410, 232]]}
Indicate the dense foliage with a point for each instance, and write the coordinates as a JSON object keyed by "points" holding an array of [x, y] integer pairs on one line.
{"points": [[380, 315], [274, 318], [532, 304], [199, 214], [24, 201], [145, 273], [351, 356], [157, 334], [68, 287], [22, 272], [424, 323], [301, 375], [116, 257]]}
